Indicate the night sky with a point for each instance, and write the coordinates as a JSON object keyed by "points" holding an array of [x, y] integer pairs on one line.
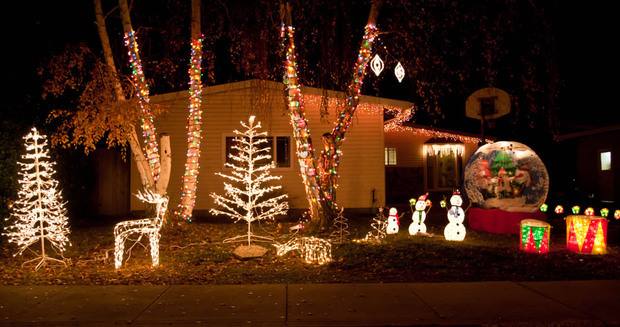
{"points": [[586, 33]]}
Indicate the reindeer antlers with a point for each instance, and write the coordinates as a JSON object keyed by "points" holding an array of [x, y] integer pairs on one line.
{"points": [[150, 196]]}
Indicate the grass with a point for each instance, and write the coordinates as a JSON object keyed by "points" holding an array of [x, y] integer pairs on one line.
{"points": [[196, 255]]}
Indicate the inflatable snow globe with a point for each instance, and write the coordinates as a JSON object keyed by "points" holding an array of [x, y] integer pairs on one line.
{"points": [[507, 182]]}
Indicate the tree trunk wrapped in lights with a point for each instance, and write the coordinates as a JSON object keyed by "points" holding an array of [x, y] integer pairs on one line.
{"points": [[194, 121], [320, 178], [247, 196], [39, 214], [142, 93]]}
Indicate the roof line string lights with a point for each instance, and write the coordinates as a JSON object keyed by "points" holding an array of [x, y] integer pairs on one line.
{"points": [[142, 93], [301, 132], [331, 154], [194, 133], [396, 127]]}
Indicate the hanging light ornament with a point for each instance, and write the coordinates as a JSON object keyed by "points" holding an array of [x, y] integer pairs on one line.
{"points": [[376, 64], [399, 72]]}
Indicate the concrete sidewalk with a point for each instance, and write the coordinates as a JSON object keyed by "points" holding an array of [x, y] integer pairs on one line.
{"points": [[566, 303]]}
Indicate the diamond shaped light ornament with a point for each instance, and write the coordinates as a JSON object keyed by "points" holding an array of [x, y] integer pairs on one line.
{"points": [[399, 71], [376, 64]]}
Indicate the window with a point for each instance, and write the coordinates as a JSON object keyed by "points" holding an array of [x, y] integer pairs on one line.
{"points": [[606, 160], [283, 151], [281, 154], [390, 156]]}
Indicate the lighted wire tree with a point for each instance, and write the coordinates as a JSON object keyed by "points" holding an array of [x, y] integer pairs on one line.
{"points": [[247, 197], [39, 214]]}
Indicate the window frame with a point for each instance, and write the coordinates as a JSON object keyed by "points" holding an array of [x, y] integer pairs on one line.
{"points": [[274, 150], [600, 160], [386, 156]]}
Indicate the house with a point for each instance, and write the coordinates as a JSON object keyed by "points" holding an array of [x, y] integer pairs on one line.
{"points": [[361, 183], [421, 159], [381, 161], [587, 162]]}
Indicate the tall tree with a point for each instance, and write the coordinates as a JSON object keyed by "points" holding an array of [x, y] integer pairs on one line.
{"points": [[320, 178], [194, 120]]}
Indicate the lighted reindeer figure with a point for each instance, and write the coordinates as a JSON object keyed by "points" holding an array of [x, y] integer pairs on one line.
{"points": [[312, 249], [135, 230]]}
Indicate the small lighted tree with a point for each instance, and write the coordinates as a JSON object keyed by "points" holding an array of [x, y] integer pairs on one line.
{"points": [[39, 214], [247, 197]]}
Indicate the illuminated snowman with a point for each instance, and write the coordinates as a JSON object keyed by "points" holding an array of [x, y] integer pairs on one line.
{"points": [[392, 225], [418, 217], [455, 230]]}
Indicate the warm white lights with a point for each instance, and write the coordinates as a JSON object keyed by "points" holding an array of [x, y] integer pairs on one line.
{"points": [[443, 149], [246, 196], [417, 225], [313, 250], [135, 230], [392, 225], [39, 214], [455, 230]]}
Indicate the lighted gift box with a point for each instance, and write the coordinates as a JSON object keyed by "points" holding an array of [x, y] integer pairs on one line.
{"points": [[586, 234], [535, 235]]}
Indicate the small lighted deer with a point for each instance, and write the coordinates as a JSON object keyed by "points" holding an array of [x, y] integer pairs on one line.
{"points": [[135, 230], [313, 250]]}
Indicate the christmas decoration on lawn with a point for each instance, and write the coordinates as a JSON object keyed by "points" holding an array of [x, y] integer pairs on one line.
{"points": [[586, 234], [508, 176], [39, 214], [617, 214], [535, 236], [455, 230], [418, 226], [136, 230], [559, 209], [443, 203], [194, 133], [575, 210], [340, 228], [378, 225], [313, 250], [604, 212], [589, 211], [393, 222], [247, 198], [544, 207]]}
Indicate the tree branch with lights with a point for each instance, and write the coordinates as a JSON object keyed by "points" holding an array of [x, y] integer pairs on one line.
{"points": [[320, 177]]}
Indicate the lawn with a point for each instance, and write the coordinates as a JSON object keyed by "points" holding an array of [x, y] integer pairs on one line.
{"points": [[196, 255]]}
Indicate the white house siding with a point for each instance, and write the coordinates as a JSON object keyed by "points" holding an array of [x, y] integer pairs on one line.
{"points": [[224, 106]]}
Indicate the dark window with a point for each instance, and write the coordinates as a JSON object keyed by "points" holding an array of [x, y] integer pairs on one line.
{"points": [[283, 151], [284, 162]]}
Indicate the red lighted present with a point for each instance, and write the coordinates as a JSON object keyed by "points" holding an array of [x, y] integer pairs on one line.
{"points": [[586, 234]]}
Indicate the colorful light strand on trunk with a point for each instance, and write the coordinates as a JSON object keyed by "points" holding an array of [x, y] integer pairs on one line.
{"points": [[142, 93], [194, 134], [331, 154], [301, 132]]}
